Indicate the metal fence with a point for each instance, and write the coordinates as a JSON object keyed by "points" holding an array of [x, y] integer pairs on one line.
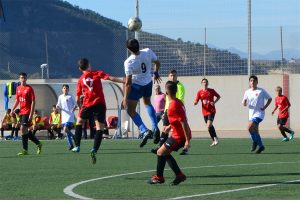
{"points": [[273, 52]]}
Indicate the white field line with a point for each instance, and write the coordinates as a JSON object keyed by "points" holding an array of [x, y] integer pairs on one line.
{"points": [[69, 189], [235, 190]]}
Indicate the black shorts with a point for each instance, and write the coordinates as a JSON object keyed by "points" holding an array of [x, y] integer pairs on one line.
{"points": [[282, 121], [166, 119], [174, 145], [209, 117], [24, 120], [98, 111]]}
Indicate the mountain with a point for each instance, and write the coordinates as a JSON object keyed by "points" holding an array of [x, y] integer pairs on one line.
{"points": [[272, 55], [39, 30]]}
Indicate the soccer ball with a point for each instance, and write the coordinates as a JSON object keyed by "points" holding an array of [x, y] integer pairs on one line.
{"points": [[134, 24]]}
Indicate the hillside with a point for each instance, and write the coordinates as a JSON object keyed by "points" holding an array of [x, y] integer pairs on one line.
{"points": [[72, 33]]}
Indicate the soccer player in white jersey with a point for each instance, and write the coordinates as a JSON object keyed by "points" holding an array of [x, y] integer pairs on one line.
{"points": [[67, 104], [139, 69], [255, 98]]}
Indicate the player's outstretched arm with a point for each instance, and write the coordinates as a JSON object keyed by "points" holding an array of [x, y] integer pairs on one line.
{"points": [[115, 79], [267, 104]]}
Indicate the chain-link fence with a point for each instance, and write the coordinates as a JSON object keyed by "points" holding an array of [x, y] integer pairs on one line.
{"points": [[273, 52]]}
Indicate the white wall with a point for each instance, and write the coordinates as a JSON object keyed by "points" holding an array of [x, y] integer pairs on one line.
{"points": [[231, 115]]}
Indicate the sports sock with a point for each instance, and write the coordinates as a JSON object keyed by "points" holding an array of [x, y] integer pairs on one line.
{"points": [[17, 132], [25, 142], [283, 133], [253, 137], [211, 132], [2, 132], [97, 140], [163, 138], [70, 138], [258, 140], [161, 163], [33, 138], [287, 130], [12, 131], [139, 123], [84, 131], [151, 113], [173, 164], [34, 132], [78, 134]]}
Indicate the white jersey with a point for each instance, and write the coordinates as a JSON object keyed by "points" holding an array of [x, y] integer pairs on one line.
{"points": [[66, 104], [256, 101], [140, 66]]}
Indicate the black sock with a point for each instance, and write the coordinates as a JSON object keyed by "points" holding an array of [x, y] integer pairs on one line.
{"points": [[50, 133], [25, 142], [283, 133], [17, 132], [78, 134], [12, 131], [84, 131], [287, 130], [33, 138], [163, 138], [161, 163], [212, 132], [34, 132], [173, 164], [98, 139], [2, 132]]}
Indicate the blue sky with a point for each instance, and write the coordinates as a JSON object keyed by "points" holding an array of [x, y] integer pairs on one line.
{"points": [[225, 20]]}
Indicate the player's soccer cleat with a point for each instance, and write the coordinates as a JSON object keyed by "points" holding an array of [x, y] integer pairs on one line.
{"points": [[93, 156], [254, 146], [39, 148], [285, 139], [154, 151], [76, 149], [156, 180], [292, 135], [184, 152], [23, 153], [260, 149], [156, 135], [178, 179], [71, 147], [213, 144], [147, 136]]}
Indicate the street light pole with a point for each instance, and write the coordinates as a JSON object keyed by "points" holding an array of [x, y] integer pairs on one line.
{"points": [[249, 38]]}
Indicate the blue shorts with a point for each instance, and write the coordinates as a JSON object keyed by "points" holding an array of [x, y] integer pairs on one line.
{"points": [[138, 91], [256, 120], [69, 125]]}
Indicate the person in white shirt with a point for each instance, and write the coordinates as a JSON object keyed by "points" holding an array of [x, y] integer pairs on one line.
{"points": [[255, 98], [138, 84], [67, 104]]}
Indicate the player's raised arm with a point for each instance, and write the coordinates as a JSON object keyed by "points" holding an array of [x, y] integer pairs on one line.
{"points": [[115, 79]]}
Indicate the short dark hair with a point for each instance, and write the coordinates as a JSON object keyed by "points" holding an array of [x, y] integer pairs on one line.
{"points": [[17, 111], [254, 77], [53, 106], [133, 45], [173, 71], [83, 63], [171, 87], [23, 74], [204, 79], [9, 110], [65, 85]]}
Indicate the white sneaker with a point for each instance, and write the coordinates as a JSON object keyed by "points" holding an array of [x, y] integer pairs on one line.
{"points": [[213, 144], [216, 141]]}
